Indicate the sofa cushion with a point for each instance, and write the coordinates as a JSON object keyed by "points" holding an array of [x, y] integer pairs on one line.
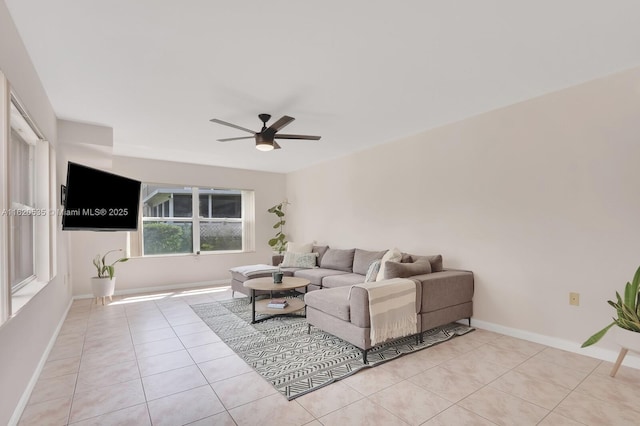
{"points": [[341, 260], [372, 272], [436, 261], [342, 280], [299, 260], [316, 275], [405, 270], [332, 301], [363, 258], [393, 255], [321, 250]]}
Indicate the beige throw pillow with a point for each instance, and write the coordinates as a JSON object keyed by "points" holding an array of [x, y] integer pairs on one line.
{"points": [[299, 248], [393, 255]]}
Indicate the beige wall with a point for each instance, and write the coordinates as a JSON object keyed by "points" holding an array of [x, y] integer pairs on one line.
{"points": [[537, 199], [25, 337]]}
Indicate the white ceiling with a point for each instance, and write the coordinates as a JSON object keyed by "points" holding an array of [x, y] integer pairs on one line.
{"points": [[356, 72]]}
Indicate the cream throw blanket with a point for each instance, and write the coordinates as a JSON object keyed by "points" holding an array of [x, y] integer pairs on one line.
{"points": [[254, 269], [392, 307]]}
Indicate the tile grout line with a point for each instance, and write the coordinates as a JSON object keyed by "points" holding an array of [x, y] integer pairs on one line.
{"points": [[75, 385], [144, 392]]}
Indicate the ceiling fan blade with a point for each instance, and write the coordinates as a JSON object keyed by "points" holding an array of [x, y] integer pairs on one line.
{"points": [[278, 125], [306, 137], [224, 123], [275, 145], [235, 139]]}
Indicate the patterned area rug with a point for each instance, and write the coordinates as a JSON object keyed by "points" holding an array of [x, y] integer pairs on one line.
{"points": [[295, 362]]}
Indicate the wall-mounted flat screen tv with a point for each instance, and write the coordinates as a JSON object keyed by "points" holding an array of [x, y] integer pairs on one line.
{"points": [[96, 200]]}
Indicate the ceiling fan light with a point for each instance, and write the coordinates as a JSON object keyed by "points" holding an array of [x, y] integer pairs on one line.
{"points": [[264, 146]]}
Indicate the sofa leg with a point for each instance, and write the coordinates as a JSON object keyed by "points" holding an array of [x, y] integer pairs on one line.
{"points": [[308, 328], [469, 319], [364, 355], [233, 293]]}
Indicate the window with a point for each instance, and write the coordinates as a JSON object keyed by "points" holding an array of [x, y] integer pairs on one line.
{"points": [[220, 219], [22, 146], [169, 225], [27, 220]]}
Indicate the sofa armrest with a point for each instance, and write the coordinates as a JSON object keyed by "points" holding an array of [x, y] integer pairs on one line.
{"points": [[359, 307], [446, 288]]}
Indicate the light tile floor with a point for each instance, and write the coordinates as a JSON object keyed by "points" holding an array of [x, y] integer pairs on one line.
{"points": [[148, 359]]}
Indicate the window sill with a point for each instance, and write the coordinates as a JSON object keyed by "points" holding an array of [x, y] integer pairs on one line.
{"points": [[21, 297], [204, 253]]}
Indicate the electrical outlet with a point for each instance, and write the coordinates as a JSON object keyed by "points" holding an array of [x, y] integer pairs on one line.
{"points": [[574, 299]]}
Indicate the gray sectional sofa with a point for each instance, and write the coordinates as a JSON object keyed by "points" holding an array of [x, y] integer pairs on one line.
{"points": [[442, 295]]}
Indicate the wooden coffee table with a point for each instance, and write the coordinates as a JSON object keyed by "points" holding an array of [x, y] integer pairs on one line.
{"points": [[266, 284]]}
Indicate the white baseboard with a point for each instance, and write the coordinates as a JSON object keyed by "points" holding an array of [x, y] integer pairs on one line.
{"points": [[24, 399], [170, 287], [631, 360]]}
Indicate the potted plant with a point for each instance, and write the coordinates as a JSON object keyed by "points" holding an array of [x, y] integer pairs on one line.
{"points": [[627, 332], [104, 283], [279, 242]]}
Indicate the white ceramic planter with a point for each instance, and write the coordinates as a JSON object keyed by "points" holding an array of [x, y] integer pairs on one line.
{"points": [[627, 339], [103, 287]]}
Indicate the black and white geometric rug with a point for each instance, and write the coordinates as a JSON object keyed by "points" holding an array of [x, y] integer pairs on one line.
{"points": [[295, 362]]}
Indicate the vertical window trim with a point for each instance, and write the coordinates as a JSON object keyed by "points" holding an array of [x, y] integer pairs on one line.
{"points": [[5, 128], [249, 219], [195, 215]]}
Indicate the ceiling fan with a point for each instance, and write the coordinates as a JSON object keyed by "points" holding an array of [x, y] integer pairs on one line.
{"points": [[265, 138]]}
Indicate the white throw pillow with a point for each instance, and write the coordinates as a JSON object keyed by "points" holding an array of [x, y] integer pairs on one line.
{"points": [[299, 248], [299, 260], [372, 272], [393, 255]]}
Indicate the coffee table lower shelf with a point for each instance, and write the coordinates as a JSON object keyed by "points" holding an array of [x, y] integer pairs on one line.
{"points": [[294, 305]]}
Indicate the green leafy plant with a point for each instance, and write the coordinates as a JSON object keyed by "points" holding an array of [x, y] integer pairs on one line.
{"points": [[279, 242], [628, 310], [104, 269]]}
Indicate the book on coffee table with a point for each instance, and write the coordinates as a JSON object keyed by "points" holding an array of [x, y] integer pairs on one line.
{"points": [[277, 304]]}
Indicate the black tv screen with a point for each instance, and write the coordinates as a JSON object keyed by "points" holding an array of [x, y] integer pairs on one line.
{"points": [[99, 201]]}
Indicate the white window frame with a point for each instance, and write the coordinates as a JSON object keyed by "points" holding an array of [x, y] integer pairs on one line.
{"points": [[5, 293], [247, 220], [43, 177]]}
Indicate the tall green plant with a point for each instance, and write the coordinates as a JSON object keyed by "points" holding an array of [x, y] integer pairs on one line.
{"points": [[279, 242], [628, 310], [101, 265]]}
